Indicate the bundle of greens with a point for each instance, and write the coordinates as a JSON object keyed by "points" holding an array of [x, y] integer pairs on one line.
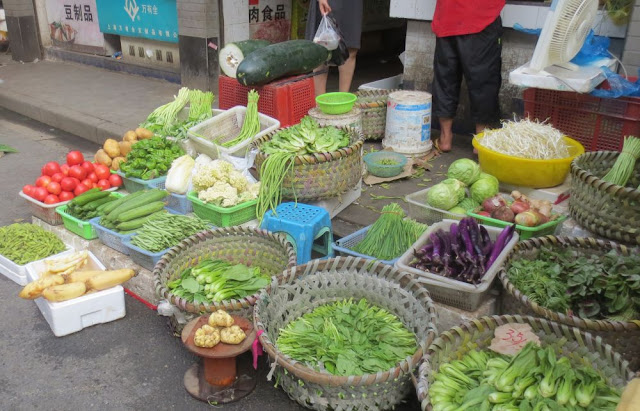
{"points": [[622, 169], [167, 230], [214, 280], [151, 158], [533, 379], [576, 282], [251, 124], [391, 235], [347, 338], [165, 122]]}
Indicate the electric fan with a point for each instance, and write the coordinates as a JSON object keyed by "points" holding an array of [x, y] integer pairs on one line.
{"points": [[563, 34]]}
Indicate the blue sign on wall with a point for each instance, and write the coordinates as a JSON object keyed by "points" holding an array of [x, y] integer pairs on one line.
{"points": [[150, 19]]}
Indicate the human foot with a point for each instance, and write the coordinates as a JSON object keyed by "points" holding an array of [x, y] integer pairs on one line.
{"points": [[443, 143]]}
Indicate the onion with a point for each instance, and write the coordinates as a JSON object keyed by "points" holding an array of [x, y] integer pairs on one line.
{"points": [[503, 214], [519, 207], [528, 219], [493, 203]]}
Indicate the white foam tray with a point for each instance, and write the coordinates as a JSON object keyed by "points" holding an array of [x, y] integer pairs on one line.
{"points": [[15, 272], [68, 317]]}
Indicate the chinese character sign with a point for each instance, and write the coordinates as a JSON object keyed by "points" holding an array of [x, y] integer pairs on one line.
{"points": [[150, 19], [270, 20], [74, 23]]}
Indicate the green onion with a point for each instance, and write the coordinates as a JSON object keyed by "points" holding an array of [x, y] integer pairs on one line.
{"points": [[623, 167], [251, 124]]}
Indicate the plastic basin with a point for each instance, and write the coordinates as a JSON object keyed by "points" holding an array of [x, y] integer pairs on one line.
{"points": [[336, 103], [523, 171], [375, 166]]}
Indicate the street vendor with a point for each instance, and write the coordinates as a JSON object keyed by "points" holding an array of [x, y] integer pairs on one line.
{"points": [[348, 15], [468, 43]]}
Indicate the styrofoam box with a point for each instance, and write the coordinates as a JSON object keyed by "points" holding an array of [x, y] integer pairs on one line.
{"points": [[449, 291], [71, 316], [15, 272]]}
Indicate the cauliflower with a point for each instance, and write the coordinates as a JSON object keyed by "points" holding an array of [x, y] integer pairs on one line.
{"points": [[237, 180], [220, 319], [207, 174], [232, 335], [206, 337], [220, 194]]}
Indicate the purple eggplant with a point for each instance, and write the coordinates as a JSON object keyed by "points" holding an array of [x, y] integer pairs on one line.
{"points": [[502, 240], [446, 252], [486, 241], [437, 248]]}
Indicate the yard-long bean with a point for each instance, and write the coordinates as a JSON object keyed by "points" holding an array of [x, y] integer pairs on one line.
{"points": [[167, 230], [23, 243]]}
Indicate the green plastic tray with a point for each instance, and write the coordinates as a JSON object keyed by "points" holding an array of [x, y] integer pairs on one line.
{"points": [[82, 228], [223, 216], [524, 232]]}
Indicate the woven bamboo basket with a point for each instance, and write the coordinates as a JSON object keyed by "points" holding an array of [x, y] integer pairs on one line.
{"points": [[373, 104], [253, 247], [320, 176], [623, 336], [305, 287], [609, 210], [476, 334]]}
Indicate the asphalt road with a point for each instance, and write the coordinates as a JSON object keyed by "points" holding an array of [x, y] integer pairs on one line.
{"points": [[132, 363]]}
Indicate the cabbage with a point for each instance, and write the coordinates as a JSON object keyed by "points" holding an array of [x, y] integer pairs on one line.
{"points": [[458, 210], [442, 196], [484, 188], [464, 170], [457, 186], [468, 204]]}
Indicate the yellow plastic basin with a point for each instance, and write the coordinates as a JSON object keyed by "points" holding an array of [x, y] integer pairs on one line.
{"points": [[523, 171]]}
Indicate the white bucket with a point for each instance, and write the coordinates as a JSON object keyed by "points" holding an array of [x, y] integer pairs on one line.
{"points": [[408, 129]]}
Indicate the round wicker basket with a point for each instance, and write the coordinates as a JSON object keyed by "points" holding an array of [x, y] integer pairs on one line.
{"points": [[373, 104], [253, 247], [303, 288], [476, 334], [623, 336], [321, 175], [609, 210]]}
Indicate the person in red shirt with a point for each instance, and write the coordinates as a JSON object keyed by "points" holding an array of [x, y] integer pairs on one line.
{"points": [[468, 44]]}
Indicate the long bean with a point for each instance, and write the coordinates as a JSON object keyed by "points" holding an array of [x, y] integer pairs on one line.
{"points": [[622, 169], [167, 230], [273, 171], [23, 243]]}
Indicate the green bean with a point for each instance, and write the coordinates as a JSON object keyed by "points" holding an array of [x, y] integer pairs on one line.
{"points": [[24, 243], [167, 230], [273, 171]]}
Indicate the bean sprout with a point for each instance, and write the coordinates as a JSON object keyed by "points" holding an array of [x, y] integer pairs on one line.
{"points": [[526, 139]]}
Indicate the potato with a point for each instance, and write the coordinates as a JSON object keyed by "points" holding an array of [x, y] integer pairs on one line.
{"points": [[125, 147], [130, 136], [115, 164], [143, 133], [112, 148], [103, 158]]}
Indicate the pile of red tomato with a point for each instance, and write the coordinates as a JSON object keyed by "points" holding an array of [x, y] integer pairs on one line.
{"points": [[63, 182]]}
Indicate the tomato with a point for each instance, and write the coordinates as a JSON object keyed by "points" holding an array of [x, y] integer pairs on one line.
{"points": [[87, 182], [57, 177], [51, 199], [93, 177], [40, 193], [88, 167], [66, 196], [77, 172], [28, 190], [43, 181], [115, 180], [102, 171], [81, 188], [75, 158], [51, 168], [65, 169], [54, 188], [68, 183], [104, 184]]}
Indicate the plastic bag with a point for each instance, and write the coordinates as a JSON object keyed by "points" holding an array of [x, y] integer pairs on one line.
{"points": [[618, 86], [327, 35], [594, 48]]}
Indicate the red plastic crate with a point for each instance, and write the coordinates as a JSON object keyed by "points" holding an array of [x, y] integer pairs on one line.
{"points": [[597, 123], [287, 100]]}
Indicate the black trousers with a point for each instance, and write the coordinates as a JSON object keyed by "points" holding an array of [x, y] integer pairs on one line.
{"points": [[478, 58]]}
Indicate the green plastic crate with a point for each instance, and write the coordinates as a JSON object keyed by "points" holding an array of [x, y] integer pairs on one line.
{"points": [[525, 233], [223, 216], [132, 184], [82, 228]]}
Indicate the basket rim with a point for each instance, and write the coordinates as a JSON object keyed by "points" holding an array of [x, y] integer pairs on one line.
{"points": [[456, 333], [355, 144], [385, 271], [587, 177], [193, 197], [234, 305], [574, 321]]}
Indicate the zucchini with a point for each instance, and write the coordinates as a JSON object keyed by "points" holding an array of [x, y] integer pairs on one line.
{"points": [[89, 196], [140, 211], [279, 60], [146, 198], [136, 223], [231, 55], [112, 206]]}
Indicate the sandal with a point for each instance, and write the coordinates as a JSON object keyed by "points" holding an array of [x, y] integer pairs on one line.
{"points": [[437, 145]]}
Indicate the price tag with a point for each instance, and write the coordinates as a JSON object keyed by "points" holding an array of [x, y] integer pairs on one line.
{"points": [[509, 339]]}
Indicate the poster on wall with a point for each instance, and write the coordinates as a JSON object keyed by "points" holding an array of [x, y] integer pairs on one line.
{"points": [[149, 19], [73, 24], [270, 20]]}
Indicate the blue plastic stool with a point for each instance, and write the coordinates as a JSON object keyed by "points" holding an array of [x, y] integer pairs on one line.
{"points": [[307, 227]]}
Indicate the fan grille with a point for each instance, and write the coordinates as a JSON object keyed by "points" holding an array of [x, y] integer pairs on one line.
{"points": [[572, 28]]}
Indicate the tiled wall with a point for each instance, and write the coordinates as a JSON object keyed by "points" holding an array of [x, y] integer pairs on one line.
{"points": [[631, 56], [198, 18], [236, 20]]}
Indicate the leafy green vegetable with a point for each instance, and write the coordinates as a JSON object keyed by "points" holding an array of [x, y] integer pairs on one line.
{"points": [[347, 338], [151, 158], [485, 187], [306, 137], [442, 196], [7, 149], [465, 170], [457, 186]]}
